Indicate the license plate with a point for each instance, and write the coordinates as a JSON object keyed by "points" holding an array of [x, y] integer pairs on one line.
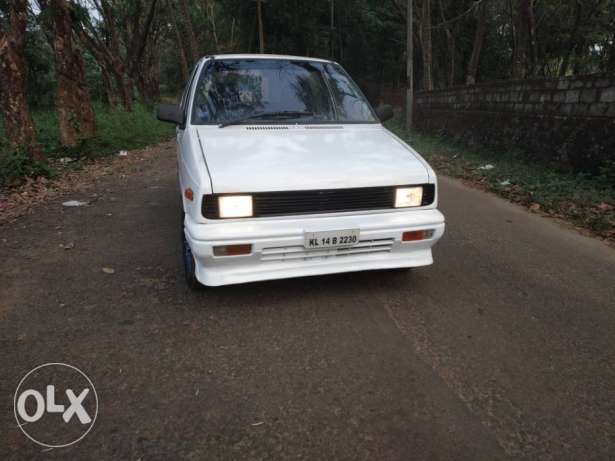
{"points": [[332, 239]]}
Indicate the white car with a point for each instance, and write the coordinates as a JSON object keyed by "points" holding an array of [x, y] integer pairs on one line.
{"points": [[285, 170]]}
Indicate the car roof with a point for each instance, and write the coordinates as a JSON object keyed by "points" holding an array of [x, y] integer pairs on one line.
{"points": [[267, 56]]}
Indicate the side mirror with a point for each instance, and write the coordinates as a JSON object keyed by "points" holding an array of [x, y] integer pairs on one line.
{"points": [[385, 112], [171, 113]]}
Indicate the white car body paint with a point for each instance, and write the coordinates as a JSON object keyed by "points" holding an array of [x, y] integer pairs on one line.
{"points": [[293, 157], [303, 157]]}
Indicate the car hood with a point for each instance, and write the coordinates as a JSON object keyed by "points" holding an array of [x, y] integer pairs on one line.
{"points": [[261, 158]]}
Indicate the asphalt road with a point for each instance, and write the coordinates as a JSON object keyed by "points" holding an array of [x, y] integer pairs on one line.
{"points": [[501, 350]]}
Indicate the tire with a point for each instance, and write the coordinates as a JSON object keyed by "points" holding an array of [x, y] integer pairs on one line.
{"points": [[188, 260]]}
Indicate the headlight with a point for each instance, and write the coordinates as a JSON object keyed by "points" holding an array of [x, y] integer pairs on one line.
{"points": [[408, 196], [235, 206]]}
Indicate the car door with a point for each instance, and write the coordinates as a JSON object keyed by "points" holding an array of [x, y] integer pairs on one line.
{"points": [[189, 155], [180, 130]]}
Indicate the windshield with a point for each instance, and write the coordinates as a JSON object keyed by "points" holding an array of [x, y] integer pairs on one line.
{"points": [[299, 91]]}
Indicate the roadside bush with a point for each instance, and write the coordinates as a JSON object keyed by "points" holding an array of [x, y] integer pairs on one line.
{"points": [[607, 174], [116, 130], [15, 165]]}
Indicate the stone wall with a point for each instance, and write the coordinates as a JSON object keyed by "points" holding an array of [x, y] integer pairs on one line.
{"points": [[570, 120]]}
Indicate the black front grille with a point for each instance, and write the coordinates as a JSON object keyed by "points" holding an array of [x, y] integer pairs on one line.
{"points": [[318, 201]]}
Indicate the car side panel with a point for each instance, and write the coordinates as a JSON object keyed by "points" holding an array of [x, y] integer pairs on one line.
{"points": [[193, 173]]}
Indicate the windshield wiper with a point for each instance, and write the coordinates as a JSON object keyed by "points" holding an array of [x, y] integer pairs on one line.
{"points": [[284, 114]]}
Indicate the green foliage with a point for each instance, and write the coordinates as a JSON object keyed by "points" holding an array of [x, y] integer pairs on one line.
{"points": [[586, 201], [116, 130], [40, 72], [369, 38], [15, 165], [93, 78], [607, 173], [120, 130]]}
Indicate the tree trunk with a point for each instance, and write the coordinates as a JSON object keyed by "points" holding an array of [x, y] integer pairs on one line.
{"points": [[124, 86], [114, 56], [533, 40], [210, 12], [479, 38], [75, 111], [183, 59], [148, 72], [232, 44], [113, 99], [187, 23], [409, 64], [182, 56], [521, 49], [107, 52], [139, 41], [450, 41], [450, 44], [426, 45], [571, 40], [152, 82], [18, 123]]}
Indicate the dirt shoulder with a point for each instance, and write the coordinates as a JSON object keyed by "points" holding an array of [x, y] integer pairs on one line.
{"points": [[19, 201]]}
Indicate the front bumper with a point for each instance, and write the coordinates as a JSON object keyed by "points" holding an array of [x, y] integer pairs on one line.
{"points": [[278, 252]]}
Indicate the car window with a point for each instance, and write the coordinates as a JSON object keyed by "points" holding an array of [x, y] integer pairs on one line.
{"points": [[232, 89], [349, 101]]}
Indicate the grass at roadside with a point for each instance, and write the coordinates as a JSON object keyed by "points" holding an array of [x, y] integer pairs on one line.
{"points": [[115, 130], [586, 201]]}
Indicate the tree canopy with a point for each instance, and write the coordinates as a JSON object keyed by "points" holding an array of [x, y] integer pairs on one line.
{"points": [[117, 51]]}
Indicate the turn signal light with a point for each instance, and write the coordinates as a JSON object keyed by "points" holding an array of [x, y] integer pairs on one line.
{"points": [[412, 236], [189, 194], [232, 250]]}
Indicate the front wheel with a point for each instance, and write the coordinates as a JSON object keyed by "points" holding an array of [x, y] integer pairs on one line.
{"points": [[189, 262]]}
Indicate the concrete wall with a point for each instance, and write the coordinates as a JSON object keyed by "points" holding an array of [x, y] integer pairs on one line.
{"points": [[570, 120]]}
